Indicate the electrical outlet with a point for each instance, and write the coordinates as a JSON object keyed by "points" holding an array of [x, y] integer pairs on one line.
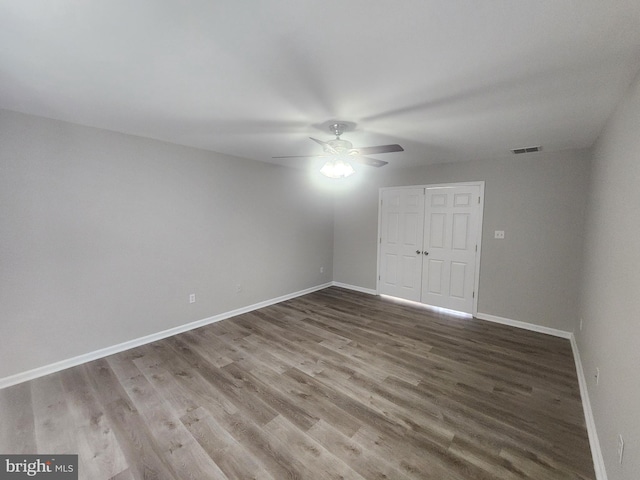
{"points": [[620, 447], [238, 288], [192, 298], [499, 234], [597, 376], [321, 269]]}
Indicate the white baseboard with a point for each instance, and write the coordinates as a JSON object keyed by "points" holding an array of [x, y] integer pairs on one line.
{"points": [[525, 325], [104, 352], [594, 443], [354, 288]]}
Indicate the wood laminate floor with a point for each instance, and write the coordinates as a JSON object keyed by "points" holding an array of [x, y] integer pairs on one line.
{"points": [[335, 385]]}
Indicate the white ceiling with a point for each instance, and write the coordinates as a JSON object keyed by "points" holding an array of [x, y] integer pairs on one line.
{"points": [[447, 79]]}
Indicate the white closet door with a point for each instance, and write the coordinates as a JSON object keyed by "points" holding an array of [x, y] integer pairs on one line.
{"points": [[450, 238], [402, 221]]}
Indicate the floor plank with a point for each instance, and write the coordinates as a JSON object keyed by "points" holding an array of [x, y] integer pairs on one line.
{"points": [[17, 434], [334, 384]]}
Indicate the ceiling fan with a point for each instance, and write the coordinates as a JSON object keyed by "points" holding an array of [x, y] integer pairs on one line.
{"points": [[341, 152]]}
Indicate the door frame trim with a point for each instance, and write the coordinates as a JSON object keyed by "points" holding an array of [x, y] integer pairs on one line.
{"points": [[480, 183]]}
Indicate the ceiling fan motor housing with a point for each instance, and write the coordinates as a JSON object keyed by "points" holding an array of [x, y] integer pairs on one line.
{"points": [[339, 145]]}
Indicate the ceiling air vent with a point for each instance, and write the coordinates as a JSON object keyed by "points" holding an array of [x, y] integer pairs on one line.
{"points": [[526, 150]]}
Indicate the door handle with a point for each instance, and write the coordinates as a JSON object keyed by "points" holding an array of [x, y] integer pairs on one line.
{"points": [[425, 252], [418, 252]]}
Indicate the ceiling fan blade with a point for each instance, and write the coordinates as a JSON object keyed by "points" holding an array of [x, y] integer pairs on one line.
{"points": [[372, 162], [318, 141], [303, 156], [380, 149], [327, 147]]}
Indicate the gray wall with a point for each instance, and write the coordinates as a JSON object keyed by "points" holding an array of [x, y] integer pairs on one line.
{"points": [[532, 275], [104, 235], [610, 306]]}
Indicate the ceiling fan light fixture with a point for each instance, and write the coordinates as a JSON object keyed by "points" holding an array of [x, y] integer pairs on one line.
{"points": [[341, 153], [337, 168]]}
